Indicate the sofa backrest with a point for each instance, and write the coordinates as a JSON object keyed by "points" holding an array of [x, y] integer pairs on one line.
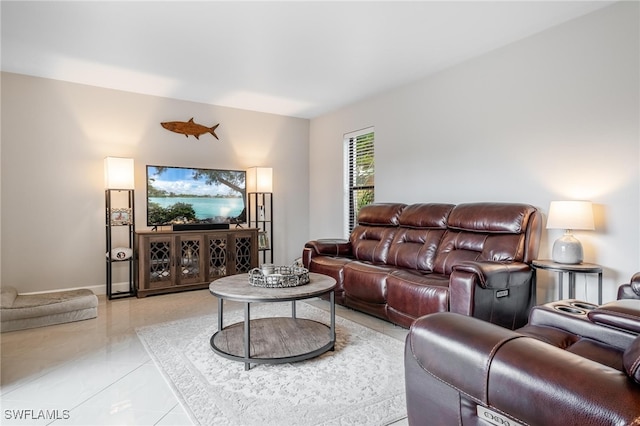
{"points": [[416, 242], [377, 226], [435, 237], [489, 232]]}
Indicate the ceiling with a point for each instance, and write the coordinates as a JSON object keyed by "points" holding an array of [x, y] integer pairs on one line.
{"points": [[294, 58]]}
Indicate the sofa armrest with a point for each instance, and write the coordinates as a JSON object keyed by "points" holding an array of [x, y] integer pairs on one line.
{"points": [[630, 290], [457, 349], [329, 247], [571, 316], [635, 283], [519, 376], [497, 275], [619, 314], [325, 247], [498, 292]]}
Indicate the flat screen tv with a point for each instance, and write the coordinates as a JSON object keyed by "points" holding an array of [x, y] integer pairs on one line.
{"points": [[181, 195]]}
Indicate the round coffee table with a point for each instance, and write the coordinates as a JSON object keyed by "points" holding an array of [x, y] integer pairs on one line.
{"points": [[272, 340]]}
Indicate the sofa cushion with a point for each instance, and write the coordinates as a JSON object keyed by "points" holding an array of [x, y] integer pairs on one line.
{"points": [[415, 248], [380, 214], [484, 232], [491, 217], [371, 243], [598, 352], [457, 247], [415, 244], [377, 226], [366, 281], [425, 216], [416, 294]]}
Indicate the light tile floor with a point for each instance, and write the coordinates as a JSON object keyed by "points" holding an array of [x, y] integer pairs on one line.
{"points": [[96, 372]]}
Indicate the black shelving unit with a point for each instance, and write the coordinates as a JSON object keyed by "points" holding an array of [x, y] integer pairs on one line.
{"points": [[120, 219], [261, 217]]}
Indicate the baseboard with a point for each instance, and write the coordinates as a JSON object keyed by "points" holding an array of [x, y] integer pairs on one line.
{"points": [[115, 288]]}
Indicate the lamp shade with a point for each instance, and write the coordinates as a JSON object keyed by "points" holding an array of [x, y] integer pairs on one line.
{"points": [[570, 215], [260, 179], [118, 173]]}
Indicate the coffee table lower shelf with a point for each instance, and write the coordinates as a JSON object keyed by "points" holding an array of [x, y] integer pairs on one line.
{"points": [[274, 340]]}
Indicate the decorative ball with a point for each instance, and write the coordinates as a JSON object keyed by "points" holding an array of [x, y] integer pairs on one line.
{"points": [[121, 253]]}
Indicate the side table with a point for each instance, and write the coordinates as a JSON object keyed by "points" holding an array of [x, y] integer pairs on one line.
{"points": [[571, 270]]}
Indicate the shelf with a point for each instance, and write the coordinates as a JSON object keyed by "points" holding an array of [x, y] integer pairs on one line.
{"points": [[117, 215], [260, 216]]}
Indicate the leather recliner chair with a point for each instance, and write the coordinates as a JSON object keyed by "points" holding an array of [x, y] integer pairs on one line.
{"points": [[574, 363]]}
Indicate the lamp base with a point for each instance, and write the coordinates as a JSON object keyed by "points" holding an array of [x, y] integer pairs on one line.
{"points": [[567, 249]]}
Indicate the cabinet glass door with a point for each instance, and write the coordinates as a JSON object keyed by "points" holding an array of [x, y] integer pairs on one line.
{"points": [[190, 259], [217, 256], [243, 253], [160, 270]]}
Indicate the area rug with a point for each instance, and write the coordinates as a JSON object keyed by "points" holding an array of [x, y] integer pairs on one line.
{"points": [[360, 383]]}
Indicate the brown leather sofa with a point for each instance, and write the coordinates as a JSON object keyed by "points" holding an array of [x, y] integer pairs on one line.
{"points": [[573, 364], [405, 261]]}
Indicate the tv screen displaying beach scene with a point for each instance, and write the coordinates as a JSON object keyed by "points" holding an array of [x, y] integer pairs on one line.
{"points": [[182, 195]]}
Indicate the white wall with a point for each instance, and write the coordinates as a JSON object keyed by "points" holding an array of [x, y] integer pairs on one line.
{"points": [[55, 136], [551, 117]]}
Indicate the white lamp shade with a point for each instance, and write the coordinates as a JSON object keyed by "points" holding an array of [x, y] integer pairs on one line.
{"points": [[118, 173], [260, 179], [570, 215]]}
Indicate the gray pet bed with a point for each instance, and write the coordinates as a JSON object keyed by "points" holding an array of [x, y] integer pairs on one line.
{"points": [[20, 311]]}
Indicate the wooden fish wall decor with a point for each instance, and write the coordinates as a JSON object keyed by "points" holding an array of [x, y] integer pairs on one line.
{"points": [[190, 128]]}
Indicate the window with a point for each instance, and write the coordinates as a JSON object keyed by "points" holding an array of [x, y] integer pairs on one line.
{"points": [[359, 167]]}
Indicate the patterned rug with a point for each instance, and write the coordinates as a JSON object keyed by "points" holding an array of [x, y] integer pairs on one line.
{"points": [[360, 383]]}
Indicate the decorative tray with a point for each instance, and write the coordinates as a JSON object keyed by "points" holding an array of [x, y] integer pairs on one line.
{"points": [[282, 276]]}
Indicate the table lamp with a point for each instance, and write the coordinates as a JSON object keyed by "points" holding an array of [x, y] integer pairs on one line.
{"points": [[569, 215]]}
